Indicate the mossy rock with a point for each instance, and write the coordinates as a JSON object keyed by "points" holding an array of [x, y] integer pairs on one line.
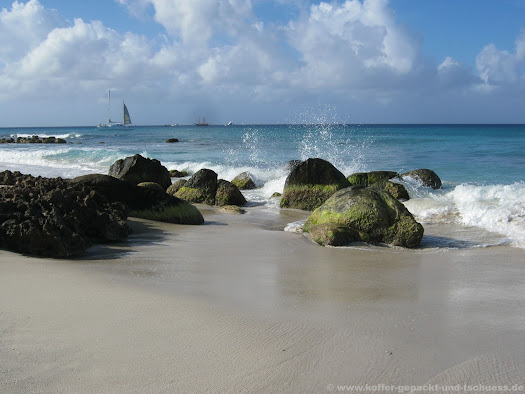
{"points": [[200, 188], [427, 177], [369, 178], [178, 174], [373, 213], [232, 209], [276, 194], [397, 190], [151, 185], [174, 188], [228, 194], [244, 181], [311, 183], [182, 213], [333, 234]]}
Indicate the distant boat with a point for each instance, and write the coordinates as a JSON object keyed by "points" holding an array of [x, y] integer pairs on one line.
{"points": [[126, 121], [201, 123], [230, 123]]}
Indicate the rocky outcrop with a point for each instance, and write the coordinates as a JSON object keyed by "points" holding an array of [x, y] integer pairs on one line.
{"points": [[35, 139], [244, 181], [172, 140], [143, 202], [311, 183], [425, 176], [52, 218], [136, 169], [228, 194], [371, 215]]}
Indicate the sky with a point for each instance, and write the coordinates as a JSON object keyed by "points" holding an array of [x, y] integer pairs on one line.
{"points": [[262, 61]]}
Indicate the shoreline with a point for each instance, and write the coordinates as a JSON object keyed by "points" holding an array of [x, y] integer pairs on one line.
{"points": [[237, 304]]}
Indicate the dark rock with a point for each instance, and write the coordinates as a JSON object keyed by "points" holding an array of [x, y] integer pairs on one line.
{"points": [[228, 194], [33, 140], [311, 183], [369, 178], [427, 177], [244, 181], [50, 217], [151, 185], [174, 188], [373, 213], [200, 188], [171, 140], [178, 174], [292, 164], [397, 190], [136, 169]]}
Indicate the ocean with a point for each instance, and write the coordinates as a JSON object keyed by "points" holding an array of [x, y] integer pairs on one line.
{"points": [[481, 203]]}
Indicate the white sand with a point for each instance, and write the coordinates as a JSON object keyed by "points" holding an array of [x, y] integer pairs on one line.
{"points": [[230, 306]]}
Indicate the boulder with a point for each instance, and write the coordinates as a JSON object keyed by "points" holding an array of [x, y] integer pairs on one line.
{"points": [[232, 209], [200, 188], [174, 188], [136, 169], [228, 194], [311, 183], [172, 140], [292, 164], [244, 181], [427, 177], [178, 174], [373, 213], [397, 190], [143, 202], [276, 194], [369, 178]]}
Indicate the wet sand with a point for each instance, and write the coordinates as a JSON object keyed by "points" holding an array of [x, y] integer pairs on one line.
{"points": [[238, 305]]}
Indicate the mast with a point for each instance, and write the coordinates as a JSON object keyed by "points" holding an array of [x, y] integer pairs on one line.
{"points": [[109, 105]]}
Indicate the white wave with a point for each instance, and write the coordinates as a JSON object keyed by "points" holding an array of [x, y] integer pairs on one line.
{"points": [[498, 209]]}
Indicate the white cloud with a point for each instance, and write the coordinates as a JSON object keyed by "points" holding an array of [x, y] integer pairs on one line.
{"points": [[497, 67]]}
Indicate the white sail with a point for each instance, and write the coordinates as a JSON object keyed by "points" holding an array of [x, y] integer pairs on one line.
{"points": [[127, 119]]}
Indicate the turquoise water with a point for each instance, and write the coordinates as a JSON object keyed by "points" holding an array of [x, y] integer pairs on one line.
{"points": [[482, 166]]}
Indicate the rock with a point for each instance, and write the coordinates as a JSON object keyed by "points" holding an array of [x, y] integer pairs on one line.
{"points": [[397, 190], [143, 202], [171, 140], [54, 218], [174, 188], [369, 178], [292, 164], [232, 209], [311, 183], [228, 194], [427, 177], [373, 213], [333, 234], [178, 174], [276, 194], [136, 169], [244, 181], [200, 188], [151, 185], [33, 140]]}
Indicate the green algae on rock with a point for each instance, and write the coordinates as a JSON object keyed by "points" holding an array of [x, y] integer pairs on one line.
{"points": [[373, 213], [311, 183]]}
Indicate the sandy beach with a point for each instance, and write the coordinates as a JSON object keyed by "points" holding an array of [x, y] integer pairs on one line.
{"points": [[240, 305]]}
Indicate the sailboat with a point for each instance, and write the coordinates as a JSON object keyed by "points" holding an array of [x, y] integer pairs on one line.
{"points": [[201, 123], [126, 121]]}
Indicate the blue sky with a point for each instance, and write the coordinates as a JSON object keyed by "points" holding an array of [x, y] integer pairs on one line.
{"points": [[262, 61]]}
